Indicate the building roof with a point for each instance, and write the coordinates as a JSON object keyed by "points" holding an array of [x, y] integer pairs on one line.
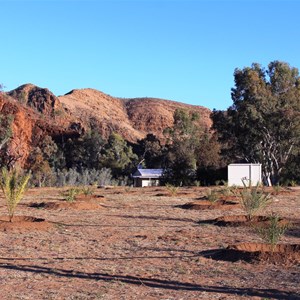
{"points": [[148, 173]]}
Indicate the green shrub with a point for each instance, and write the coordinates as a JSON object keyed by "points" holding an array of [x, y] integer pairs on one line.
{"points": [[13, 186], [253, 199], [172, 189], [70, 194], [211, 195], [273, 231], [88, 190]]}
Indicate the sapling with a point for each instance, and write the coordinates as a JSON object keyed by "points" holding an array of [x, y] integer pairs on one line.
{"points": [[172, 189], [277, 189], [273, 230], [13, 186], [88, 190], [253, 199], [211, 196], [70, 194]]}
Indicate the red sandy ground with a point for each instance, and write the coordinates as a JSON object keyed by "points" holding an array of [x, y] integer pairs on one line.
{"points": [[136, 244]]}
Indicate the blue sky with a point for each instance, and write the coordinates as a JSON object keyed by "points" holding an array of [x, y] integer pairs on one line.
{"points": [[182, 50]]}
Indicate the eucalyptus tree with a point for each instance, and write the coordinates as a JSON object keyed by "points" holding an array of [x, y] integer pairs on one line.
{"points": [[263, 123]]}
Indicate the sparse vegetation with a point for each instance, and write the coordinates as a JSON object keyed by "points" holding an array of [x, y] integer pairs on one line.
{"points": [[13, 186], [273, 231], [253, 199], [172, 189], [276, 189], [88, 190], [212, 195], [70, 194]]}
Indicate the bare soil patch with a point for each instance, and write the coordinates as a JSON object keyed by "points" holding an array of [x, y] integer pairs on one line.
{"points": [[241, 220], [81, 202], [141, 246], [24, 223]]}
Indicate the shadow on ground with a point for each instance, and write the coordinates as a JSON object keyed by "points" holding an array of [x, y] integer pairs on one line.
{"points": [[152, 282]]}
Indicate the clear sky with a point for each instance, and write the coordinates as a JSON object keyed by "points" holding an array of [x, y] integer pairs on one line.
{"points": [[182, 50]]}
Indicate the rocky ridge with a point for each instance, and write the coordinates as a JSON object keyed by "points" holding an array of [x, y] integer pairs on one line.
{"points": [[38, 112]]}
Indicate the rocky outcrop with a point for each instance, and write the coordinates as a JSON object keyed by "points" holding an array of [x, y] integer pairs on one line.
{"points": [[38, 112], [41, 99], [132, 118]]}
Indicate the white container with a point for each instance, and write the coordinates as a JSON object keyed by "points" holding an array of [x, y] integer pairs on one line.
{"points": [[250, 173]]}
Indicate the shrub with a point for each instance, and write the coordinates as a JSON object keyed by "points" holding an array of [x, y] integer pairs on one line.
{"points": [[85, 177], [13, 186], [88, 190], [70, 194], [172, 189], [253, 199], [277, 189], [211, 195], [273, 231]]}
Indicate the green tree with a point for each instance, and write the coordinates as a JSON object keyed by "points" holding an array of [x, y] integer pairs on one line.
{"points": [[40, 167], [183, 142], [151, 151], [118, 156], [84, 152], [93, 145], [263, 124]]}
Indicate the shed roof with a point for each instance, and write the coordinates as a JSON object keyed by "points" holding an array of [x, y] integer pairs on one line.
{"points": [[147, 173]]}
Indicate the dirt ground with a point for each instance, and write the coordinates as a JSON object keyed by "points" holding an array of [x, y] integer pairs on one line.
{"points": [[137, 243]]}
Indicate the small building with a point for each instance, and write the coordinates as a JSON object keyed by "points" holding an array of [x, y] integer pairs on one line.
{"points": [[249, 173], [147, 177]]}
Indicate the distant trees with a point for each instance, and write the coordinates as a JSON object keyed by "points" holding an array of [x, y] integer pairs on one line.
{"points": [[91, 152], [189, 148], [182, 142], [41, 159], [263, 124], [6, 121], [150, 151], [118, 156]]}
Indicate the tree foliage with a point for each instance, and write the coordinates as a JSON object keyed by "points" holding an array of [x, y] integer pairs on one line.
{"points": [[151, 151], [263, 124], [118, 156]]}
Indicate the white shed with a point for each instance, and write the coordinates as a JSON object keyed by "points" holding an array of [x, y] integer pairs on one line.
{"points": [[249, 172], [147, 177]]}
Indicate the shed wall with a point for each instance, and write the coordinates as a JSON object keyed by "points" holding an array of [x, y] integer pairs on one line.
{"points": [[251, 172]]}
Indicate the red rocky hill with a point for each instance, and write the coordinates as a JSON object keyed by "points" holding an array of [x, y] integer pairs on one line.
{"points": [[39, 112]]}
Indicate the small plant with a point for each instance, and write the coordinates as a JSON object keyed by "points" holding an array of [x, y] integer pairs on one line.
{"points": [[211, 195], [70, 194], [173, 190], [221, 182], [276, 189], [293, 183], [253, 199], [13, 186], [273, 231], [218, 182], [128, 189], [226, 191], [87, 190], [197, 183]]}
